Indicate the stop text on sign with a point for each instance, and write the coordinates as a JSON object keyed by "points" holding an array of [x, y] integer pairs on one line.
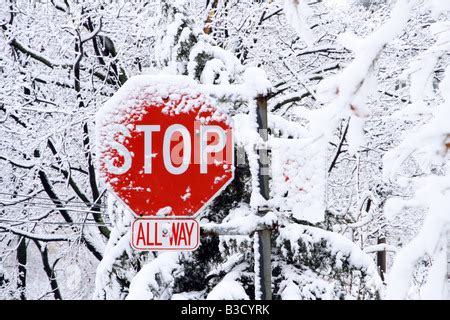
{"points": [[206, 148], [156, 234]]}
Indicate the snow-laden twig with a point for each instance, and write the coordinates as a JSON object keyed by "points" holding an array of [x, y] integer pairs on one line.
{"points": [[380, 247], [346, 93], [154, 276], [297, 13], [107, 285], [229, 288], [337, 253], [434, 194], [35, 236], [240, 221]]}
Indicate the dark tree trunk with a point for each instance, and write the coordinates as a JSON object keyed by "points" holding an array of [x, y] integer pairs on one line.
{"points": [[22, 268], [49, 270], [381, 258]]}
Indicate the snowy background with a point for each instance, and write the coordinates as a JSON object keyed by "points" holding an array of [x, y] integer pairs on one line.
{"points": [[359, 137]]}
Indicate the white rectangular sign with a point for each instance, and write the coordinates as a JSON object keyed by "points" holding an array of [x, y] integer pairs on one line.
{"points": [[158, 234]]}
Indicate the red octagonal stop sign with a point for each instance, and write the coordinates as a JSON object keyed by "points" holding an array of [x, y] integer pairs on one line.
{"points": [[163, 148]]}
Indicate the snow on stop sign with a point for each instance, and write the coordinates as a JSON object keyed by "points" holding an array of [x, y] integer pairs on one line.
{"points": [[163, 148]]}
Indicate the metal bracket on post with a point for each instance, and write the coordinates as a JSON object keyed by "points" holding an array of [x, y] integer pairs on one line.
{"points": [[263, 259], [381, 259]]}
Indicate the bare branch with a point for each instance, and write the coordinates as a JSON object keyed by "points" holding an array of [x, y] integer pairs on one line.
{"points": [[35, 236]]}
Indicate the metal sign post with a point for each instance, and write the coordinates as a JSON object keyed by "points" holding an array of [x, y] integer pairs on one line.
{"points": [[263, 265]]}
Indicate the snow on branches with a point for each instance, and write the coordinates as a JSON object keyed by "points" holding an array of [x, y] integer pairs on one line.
{"points": [[335, 79], [429, 144]]}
